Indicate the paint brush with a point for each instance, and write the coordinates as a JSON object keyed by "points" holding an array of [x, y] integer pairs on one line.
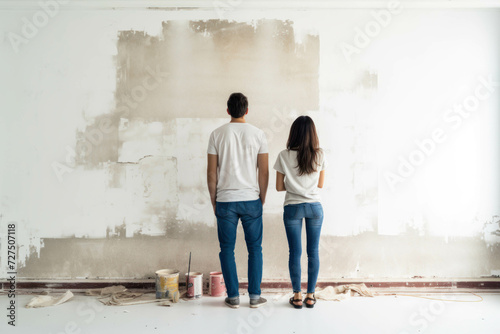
{"points": [[189, 270]]}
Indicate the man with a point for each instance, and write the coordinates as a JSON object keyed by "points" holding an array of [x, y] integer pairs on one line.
{"points": [[237, 177]]}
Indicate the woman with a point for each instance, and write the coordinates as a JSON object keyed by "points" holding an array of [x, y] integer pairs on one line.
{"points": [[300, 171]]}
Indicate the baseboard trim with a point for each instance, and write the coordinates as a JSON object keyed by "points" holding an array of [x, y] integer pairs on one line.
{"points": [[149, 284]]}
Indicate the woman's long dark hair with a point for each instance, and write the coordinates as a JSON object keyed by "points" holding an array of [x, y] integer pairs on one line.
{"points": [[304, 139]]}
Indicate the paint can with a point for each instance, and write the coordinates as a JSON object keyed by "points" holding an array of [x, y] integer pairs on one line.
{"points": [[217, 287], [167, 284], [195, 284]]}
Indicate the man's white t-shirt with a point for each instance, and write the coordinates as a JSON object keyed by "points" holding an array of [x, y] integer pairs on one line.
{"points": [[237, 146], [303, 188]]}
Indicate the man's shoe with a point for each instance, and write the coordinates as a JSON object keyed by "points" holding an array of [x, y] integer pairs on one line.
{"points": [[233, 302], [254, 303]]}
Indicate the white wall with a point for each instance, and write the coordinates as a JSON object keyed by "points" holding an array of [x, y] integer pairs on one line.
{"points": [[374, 105]]}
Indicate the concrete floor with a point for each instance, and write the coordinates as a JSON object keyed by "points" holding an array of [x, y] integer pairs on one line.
{"points": [[381, 314]]}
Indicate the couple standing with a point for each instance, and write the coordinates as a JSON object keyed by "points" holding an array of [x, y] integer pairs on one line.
{"points": [[237, 177]]}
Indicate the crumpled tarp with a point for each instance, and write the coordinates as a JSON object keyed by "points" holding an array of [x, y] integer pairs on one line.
{"points": [[44, 301], [118, 295], [106, 291], [343, 292]]}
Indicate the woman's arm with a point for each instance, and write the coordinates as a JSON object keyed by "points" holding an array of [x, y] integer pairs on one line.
{"points": [[321, 180], [280, 181]]}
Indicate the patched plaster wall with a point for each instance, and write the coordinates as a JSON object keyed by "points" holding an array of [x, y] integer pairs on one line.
{"points": [[106, 116]]}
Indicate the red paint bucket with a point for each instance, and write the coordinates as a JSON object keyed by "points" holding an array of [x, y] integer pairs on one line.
{"points": [[217, 287], [195, 285]]}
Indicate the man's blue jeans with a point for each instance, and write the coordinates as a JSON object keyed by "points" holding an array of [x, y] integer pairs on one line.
{"points": [[292, 216], [228, 214]]}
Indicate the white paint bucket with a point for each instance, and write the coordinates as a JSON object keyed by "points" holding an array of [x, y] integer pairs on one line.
{"points": [[167, 284], [195, 284]]}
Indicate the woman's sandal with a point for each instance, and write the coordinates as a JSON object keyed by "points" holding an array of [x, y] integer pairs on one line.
{"points": [[308, 298], [292, 301]]}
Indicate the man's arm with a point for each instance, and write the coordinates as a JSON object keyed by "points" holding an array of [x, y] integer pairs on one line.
{"points": [[280, 181], [263, 166], [212, 177]]}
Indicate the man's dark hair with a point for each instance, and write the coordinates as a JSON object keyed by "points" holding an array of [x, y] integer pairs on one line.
{"points": [[237, 105]]}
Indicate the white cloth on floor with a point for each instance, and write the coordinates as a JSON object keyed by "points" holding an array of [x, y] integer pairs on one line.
{"points": [[44, 301], [119, 295], [343, 292]]}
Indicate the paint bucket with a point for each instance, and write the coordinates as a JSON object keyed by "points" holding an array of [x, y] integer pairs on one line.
{"points": [[167, 284], [217, 287], [195, 285]]}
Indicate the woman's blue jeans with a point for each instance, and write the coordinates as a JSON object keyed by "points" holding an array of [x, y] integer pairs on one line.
{"points": [[292, 216]]}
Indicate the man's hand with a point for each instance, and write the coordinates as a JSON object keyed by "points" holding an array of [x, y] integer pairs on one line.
{"points": [[213, 205]]}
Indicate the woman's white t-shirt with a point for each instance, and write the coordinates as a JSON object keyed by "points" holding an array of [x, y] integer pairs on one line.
{"points": [[303, 188]]}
